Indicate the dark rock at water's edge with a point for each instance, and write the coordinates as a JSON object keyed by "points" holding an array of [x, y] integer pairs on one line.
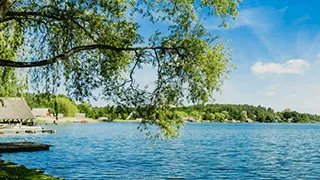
{"points": [[10, 147]]}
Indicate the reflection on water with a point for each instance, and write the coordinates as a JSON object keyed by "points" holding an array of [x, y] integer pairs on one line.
{"points": [[204, 151]]}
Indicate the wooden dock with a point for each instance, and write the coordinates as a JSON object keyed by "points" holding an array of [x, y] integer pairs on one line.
{"points": [[16, 131], [10, 147]]}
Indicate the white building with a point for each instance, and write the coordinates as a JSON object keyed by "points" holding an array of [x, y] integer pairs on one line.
{"points": [[40, 112], [80, 115]]}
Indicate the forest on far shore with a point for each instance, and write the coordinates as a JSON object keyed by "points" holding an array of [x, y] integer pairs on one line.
{"points": [[210, 112]]}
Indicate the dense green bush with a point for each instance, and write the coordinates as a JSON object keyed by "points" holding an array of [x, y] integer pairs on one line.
{"points": [[66, 107]]}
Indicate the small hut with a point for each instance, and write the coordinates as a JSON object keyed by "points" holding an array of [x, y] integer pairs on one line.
{"points": [[189, 119], [15, 110], [104, 119], [249, 120]]}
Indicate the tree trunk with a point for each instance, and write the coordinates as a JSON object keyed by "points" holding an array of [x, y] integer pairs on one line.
{"points": [[56, 109]]}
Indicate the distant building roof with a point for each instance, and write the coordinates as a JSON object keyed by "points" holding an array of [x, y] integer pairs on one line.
{"points": [[14, 108]]}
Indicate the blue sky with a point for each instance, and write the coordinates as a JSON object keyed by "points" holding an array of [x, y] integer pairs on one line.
{"points": [[276, 49]]}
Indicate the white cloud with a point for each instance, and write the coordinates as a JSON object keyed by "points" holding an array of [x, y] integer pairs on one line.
{"points": [[263, 21], [302, 19], [294, 66], [289, 97], [258, 19], [270, 93]]}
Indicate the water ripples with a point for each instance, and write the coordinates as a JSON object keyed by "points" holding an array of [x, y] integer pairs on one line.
{"points": [[204, 151]]}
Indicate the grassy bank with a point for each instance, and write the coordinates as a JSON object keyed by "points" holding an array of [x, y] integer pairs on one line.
{"points": [[10, 170]]}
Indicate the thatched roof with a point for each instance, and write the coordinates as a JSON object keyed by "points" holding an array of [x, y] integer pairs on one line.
{"points": [[14, 108]]}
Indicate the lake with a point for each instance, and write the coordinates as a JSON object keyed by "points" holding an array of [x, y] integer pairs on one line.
{"points": [[204, 151]]}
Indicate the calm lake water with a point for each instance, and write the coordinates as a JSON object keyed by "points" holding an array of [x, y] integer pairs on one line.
{"points": [[204, 151]]}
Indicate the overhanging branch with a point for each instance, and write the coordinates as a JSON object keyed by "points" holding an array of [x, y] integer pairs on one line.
{"points": [[52, 16], [63, 56], [4, 6], [35, 14]]}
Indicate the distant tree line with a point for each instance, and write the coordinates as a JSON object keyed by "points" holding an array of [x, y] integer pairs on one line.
{"points": [[212, 112], [223, 112], [110, 112]]}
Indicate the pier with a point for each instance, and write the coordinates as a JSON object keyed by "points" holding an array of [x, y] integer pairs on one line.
{"points": [[10, 147], [17, 118], [25, 130]]}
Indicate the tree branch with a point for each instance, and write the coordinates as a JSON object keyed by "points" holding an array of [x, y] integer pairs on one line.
{"points": [[26, 14], [4, 6], [65, 55], [58, 17]]}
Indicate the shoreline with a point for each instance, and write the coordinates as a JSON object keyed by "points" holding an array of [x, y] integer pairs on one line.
{"points": [[41, 121], [73, 121], [9, 170]]}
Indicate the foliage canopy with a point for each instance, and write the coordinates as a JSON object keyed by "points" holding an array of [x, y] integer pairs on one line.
{"points": [[57, 104], [88, 44]]}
